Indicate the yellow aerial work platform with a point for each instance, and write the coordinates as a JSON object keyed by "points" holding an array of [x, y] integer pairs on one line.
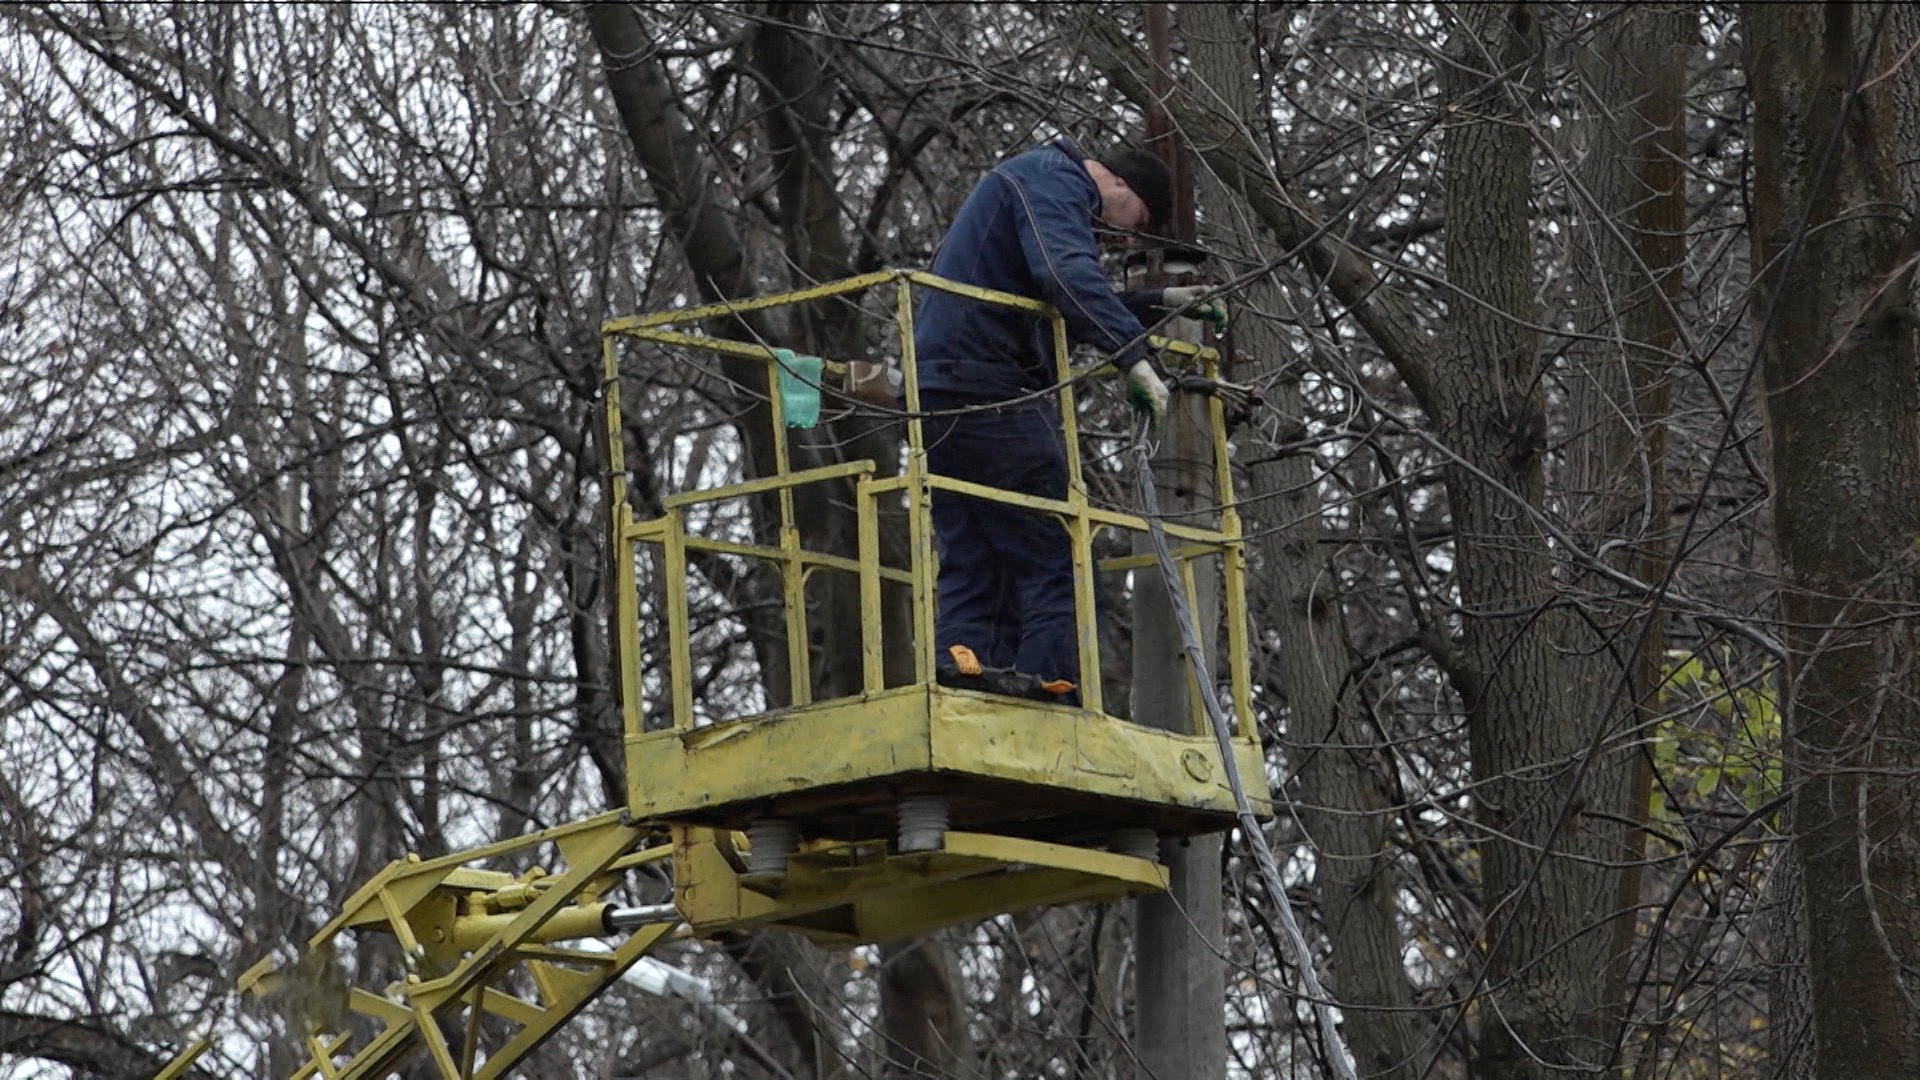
{"points": [[908, 807], [903, 808]]}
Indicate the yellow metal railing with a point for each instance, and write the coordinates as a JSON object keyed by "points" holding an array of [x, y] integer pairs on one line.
{"points": [[914, 486]]}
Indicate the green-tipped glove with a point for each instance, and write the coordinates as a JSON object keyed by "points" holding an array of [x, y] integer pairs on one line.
{"points": [[1189, 301], [1146, 391]]}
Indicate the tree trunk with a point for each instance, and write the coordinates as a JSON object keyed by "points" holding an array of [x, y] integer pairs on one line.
{"points": [[1631, 253], [1342, 806], [1835, 138], [1550, 787], [920, 1011], [1789, 989], [1550, 791]]}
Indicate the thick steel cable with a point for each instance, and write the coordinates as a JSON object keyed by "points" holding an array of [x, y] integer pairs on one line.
{"points": [[1256, 838]]}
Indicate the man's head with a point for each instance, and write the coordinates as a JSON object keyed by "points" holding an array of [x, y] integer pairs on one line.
{"points": [[1136, 190]]}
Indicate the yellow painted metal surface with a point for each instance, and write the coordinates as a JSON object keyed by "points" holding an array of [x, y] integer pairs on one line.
{"points": [[736, 307], [467, 934], [770, 483], [818, 753], [1062, 509], [670, 329], [872, 650], [844, 894], [474, 939], [923, 730], [184, 1060]]}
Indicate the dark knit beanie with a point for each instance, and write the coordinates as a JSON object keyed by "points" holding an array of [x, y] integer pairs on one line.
{"points": [[1147, 175]]}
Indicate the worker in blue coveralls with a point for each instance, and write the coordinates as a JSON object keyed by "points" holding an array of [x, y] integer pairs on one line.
{"points": [[987, 374]]}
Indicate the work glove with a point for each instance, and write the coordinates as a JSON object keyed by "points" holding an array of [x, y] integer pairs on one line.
{"points": [[1146, 391], [874, 384], [1186, 299]]}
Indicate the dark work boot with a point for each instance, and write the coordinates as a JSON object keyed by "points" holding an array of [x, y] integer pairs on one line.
{"points": [[962, 670]]}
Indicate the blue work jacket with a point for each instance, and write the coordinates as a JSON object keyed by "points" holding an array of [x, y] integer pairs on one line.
{"points": [[1026, 229]]}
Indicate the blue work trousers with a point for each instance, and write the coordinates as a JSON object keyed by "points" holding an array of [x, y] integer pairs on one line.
{"points": [[1006, 574]]}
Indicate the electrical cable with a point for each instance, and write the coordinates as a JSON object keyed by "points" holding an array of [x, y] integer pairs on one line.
{"points": [[1269, 870]]}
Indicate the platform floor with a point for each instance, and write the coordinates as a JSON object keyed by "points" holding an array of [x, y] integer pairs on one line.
{"points": [[1008, 767]]}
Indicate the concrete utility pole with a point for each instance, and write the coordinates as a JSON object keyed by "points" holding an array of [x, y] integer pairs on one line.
{"points": [[1179, 940]]}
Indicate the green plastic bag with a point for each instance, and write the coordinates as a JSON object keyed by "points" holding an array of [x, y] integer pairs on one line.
{"points": [[799, 387]]}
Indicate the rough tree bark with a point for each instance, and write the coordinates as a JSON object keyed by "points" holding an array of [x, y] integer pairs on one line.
{"points": [[1343, 807], [1630, 256], [1836, 140], [1549, 787]]}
